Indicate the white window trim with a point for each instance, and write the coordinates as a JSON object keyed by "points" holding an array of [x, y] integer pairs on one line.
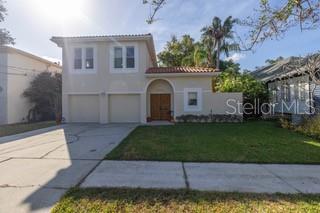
{"points": [[83, 70], [188, 108], [124, 57]]}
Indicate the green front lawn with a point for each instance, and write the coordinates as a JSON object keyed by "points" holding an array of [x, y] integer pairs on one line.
{"points": [[141, 200], [12, 129], [255, 141]]}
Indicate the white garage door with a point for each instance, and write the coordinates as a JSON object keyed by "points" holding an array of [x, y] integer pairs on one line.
{"points": [[124, 108], [84, 108]]}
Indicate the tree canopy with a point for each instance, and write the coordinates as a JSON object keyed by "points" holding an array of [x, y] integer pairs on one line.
{"points": [[178, 52], [44, 93], [5, 37], [216, 38], [233, 81]]}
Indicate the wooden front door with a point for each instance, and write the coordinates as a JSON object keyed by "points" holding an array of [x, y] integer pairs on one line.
{"points": [[160, 107]]}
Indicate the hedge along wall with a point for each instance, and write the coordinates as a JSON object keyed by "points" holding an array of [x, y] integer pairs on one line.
{"points": [[216, 107]]}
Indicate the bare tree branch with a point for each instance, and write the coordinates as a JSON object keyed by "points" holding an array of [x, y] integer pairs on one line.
{"points": [[155, 5], [273, 21]]}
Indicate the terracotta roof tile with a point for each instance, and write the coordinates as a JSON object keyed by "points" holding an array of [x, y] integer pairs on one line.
{"points": [[102, 36], [157, 70]]}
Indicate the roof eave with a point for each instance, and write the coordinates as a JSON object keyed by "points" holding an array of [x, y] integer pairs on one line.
{"points": [[9, 49], [61, 40], [210, 74]]}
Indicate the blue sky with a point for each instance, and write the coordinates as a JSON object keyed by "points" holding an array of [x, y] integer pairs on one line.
{"points": [[34, 22]]}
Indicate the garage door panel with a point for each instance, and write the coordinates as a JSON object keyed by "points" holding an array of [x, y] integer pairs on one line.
{"points": [[124, 108], [84, 108]]}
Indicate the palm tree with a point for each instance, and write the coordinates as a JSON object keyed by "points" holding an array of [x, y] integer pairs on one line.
{"points": [[200, 56], [219, 38]]}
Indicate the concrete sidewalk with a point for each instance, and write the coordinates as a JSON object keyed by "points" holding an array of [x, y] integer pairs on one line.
{"points": [[226, 177]]}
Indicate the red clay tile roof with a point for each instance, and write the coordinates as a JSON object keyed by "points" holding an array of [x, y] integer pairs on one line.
{"points": [[101, 36], [157, 70]]}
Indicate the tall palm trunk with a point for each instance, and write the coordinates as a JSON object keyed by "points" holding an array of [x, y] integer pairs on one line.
{"points": [[209, 57], [218, 55]]}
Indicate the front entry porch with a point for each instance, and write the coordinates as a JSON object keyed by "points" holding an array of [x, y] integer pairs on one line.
{"points": [[160, 101]]}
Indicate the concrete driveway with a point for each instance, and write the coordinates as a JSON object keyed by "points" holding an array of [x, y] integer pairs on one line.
{"points": [[38, 167]]}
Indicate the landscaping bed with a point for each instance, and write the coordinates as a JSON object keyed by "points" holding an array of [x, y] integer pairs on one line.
{"points": [[12, 129], [248, 142], [147, 200]]}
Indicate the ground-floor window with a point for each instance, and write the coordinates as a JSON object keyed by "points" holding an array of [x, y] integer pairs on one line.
{"points": [[285, 92], [192, 99], [302, 90]]}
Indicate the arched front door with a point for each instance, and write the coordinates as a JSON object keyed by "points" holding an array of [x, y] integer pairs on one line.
{"points": [[160, 106], [160, 100]]}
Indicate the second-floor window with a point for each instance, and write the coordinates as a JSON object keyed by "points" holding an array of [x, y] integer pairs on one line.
{"points": [[78, 58], [124, 57], [118, 60], [89, 58], [130, 57], [84, 58]]}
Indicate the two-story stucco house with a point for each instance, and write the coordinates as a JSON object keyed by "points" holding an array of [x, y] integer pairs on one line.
{"points": [[116, 79], [17, 69]]}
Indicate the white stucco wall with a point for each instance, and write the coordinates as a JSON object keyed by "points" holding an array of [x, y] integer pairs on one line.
{"points": [[3, 88], [212, 103]]}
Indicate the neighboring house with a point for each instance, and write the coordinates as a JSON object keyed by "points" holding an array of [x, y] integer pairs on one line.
{"points": [[291, 91], [17, 69], [116, 79]]}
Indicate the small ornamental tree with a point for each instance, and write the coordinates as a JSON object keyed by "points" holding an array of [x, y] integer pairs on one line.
{"points": [[44, 93]]}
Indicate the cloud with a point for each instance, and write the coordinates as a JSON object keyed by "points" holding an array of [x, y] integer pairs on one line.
{"points": [[235, 57]]}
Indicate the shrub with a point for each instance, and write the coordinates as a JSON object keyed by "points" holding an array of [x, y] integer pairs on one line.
{"points": [[310, 127], [285, 123], [209, 118]]}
